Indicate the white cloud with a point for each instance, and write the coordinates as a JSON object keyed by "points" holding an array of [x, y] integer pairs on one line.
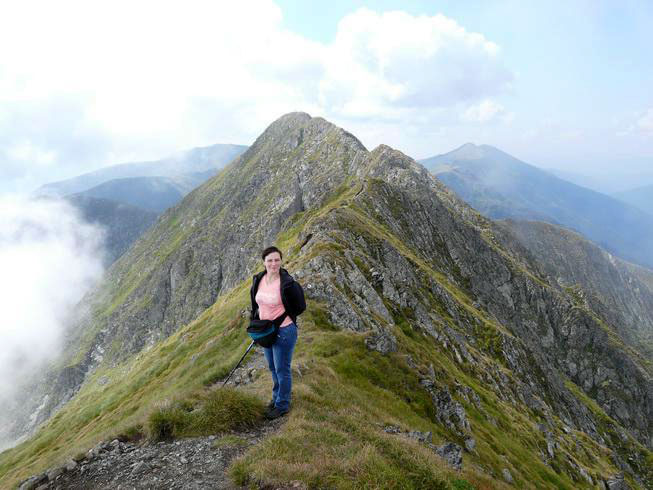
{"points": [[49, 258], [636, 124], [485, 111], [645, 122], [26, 152], [393, 64], [83, 83]]}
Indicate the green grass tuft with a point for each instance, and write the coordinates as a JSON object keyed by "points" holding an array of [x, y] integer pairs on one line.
{"points": [[168, 422], [203, 414], [229, 409], [462, 485]]}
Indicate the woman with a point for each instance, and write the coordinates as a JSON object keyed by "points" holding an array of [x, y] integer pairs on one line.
{"points": [[274, 292]]}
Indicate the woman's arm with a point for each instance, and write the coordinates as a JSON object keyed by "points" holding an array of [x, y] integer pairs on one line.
{"points": [[294, 301], [253, 314]]}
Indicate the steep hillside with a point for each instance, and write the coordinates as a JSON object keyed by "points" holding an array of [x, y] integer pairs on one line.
{"points": [[123, 223], [125, 208], [419, 321], [501, 186], [196, 160]]}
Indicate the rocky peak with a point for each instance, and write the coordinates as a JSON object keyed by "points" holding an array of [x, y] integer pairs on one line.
{"points": [[281, 126], [394, 167], [299, 156], [384, 158], [290, 131]]}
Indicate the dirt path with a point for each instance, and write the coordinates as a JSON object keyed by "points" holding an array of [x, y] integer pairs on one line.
{"points": [[196, 463]]}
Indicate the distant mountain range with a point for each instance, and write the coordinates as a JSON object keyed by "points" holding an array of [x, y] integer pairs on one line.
{"points": [[126, 199], [152, 193], [641, 197], [501, 186], [203, 159]]}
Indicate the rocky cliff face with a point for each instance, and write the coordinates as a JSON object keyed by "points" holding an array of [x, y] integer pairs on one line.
{"points": [[548, 335], [389, 252], [618, 292]]}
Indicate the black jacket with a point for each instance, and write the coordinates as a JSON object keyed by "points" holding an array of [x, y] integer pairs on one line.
{"points": [[292, 295]]}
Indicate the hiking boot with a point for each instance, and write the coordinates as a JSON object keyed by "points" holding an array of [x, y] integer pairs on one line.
{"points": [[275, 413], [270, 405]]}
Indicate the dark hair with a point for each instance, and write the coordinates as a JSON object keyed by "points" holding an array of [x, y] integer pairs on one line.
{"points": [[270, 250]]}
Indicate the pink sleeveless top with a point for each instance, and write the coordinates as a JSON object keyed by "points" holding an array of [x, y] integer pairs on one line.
{"points": [[268, 299]]}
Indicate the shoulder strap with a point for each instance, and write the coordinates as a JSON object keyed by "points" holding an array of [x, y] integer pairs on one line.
{"points": [[279, 320]]}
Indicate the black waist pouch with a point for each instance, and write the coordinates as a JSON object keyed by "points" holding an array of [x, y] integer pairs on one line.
{"points": [[265, 332]]}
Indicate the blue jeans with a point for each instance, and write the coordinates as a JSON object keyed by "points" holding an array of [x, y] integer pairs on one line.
{"points": [[279, 357]]}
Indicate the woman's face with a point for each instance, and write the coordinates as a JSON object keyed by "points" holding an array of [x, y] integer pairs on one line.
{"points": [[272, 263]]}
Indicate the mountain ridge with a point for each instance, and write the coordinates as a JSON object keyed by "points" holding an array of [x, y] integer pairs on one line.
{"points": [[639, 197], [190, 161], [417, 314], [152, 193]]}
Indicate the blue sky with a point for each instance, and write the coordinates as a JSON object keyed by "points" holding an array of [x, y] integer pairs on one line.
{"points": [[567, 55], [558, 84], [580, 66]]}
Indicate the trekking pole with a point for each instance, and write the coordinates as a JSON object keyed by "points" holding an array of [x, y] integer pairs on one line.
{"points": [[241, 360]]}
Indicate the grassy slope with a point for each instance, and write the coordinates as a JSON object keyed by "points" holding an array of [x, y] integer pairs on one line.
{"points": [[343, 398]]}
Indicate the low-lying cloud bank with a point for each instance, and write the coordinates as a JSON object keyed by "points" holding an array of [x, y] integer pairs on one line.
{"points": [[49, 258]]}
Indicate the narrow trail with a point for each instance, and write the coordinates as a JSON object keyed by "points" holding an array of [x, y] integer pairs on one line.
{"points": [[194, 463]]}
